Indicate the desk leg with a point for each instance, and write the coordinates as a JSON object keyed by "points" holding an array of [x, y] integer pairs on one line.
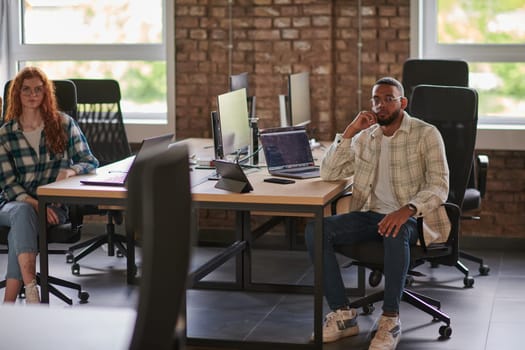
{"points": [[44, 264], [243, 271], [318, 279]]}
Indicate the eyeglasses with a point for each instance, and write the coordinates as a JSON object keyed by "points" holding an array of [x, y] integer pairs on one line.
{"points": [[28, 91], [376, 101]]}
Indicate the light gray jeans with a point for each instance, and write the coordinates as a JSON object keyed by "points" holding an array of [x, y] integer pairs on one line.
{"points": [[23, 234]]}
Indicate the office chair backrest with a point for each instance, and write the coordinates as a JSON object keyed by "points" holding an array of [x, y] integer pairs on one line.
{"points": [[159, 209], [100, 118], [453, 110], [433, 72], [66, 95]]}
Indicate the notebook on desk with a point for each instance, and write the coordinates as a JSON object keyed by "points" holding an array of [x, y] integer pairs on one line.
{"points": [[119, 176], [288, 153]]}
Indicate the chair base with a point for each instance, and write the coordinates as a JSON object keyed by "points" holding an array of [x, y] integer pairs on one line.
{"points": [[468, 281], [109, 237], [422, 302], [82, 295], [93, 244], [483, 268]]}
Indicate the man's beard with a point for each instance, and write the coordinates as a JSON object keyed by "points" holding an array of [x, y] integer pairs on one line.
{"points": [[390, 119]]}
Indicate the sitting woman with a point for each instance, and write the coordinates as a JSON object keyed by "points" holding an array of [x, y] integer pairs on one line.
{"points": [[38, 145]]}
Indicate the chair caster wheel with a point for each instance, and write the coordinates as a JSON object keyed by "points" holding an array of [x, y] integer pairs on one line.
{"points": [[445, 331], [375, 278], [368, 309], [119, 254], [70, 258], [83, 296], [484, 270], [75, 269], [468, 282]]}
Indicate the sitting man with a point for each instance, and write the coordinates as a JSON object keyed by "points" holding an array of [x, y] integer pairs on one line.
{"points": [[400, 172]]}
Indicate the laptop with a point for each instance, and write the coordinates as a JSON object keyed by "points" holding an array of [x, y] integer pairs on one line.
{"points": [[288, 153], [118, 177]]}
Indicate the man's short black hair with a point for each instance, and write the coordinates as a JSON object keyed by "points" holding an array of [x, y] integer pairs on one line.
{"points": [[393, 82]]}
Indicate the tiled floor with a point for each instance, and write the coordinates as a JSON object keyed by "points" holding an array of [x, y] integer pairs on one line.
{"points": [[486, 317]]}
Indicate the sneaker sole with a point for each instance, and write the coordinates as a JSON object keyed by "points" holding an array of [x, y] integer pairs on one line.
{"points": [[350, 332]]}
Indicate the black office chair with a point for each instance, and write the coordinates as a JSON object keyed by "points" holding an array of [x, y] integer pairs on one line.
{"points": [[451, 73], [459, 136], [434, 72], [100, 118], [159, 212], [67, 233]]}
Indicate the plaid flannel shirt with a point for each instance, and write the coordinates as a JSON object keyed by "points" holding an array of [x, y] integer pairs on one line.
{"points": [[418, 165], [22, 171]]}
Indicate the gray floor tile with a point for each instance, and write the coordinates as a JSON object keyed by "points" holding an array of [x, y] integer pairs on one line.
{"points": [[486, 317]]}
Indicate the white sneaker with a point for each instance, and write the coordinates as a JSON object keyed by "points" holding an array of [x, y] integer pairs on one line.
{"points": [[387, 335], [339, 324], [32, 293]]}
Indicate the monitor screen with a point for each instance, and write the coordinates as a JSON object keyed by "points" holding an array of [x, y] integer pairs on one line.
{"points": [[299, 98], [239, 81], [234, 122]]}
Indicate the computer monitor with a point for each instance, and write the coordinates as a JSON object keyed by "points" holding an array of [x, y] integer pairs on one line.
{"points": [[234, 123], [217, 135], [295, 106], [239, 81], [299, 97]]}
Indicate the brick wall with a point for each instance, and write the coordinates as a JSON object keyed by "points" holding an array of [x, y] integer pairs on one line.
{"points": [[503, 207], [272, 38]]}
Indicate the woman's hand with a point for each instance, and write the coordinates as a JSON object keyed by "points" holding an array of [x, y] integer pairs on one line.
{"points": [[52, 217], [64, 174]]}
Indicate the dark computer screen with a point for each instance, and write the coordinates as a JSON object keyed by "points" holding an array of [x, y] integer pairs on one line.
{"points": [[286, 148], [239, 81]]}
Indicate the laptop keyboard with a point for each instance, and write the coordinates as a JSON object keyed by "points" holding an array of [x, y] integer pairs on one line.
{"points": [[301, 171]]}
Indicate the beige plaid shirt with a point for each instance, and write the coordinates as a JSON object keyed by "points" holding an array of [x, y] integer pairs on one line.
{"points": [[418, 165]]}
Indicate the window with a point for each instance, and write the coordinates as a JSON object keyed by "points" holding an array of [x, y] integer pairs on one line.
{"points": [[125, 40], [490, 36]]}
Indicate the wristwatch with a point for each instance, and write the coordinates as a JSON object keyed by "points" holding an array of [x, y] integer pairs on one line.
{"points": [[412, 207]]}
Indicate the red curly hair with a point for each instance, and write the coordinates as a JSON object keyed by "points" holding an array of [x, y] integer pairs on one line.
{"points": [[56, 139]]}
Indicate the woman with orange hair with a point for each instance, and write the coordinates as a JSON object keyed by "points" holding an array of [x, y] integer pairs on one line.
{"points": [[38, 145]]}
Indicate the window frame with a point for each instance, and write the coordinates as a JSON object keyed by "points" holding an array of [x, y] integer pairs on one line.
{"points": [[500, 133], [137, 128]]}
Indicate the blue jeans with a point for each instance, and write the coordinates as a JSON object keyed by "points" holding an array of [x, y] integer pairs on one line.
{"points": [[23, 234], [356, 227]]}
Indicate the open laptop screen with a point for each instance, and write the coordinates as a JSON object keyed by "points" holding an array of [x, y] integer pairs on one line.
{"points": [[287, 149]]}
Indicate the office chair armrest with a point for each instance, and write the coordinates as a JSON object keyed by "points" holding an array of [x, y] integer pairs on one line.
{"points": [[420, 235], [345, 193], [454, 215], [483, 164]]}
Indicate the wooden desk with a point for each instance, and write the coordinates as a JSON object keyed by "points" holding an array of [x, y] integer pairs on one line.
{"points": [[310, 197], [49, 328], [71, 191]]}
